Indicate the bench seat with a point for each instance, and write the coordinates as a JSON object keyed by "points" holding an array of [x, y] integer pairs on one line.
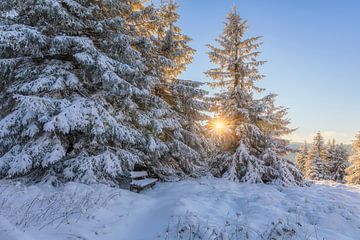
{"points": [[140, 181], [143, 182]]}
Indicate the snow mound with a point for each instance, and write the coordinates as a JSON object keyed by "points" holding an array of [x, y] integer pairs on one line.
{"points": [[192, 209]]}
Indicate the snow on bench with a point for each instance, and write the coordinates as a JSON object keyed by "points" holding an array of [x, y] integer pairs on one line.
{"points": [[140, 182], [135, 175], [143, 182]]}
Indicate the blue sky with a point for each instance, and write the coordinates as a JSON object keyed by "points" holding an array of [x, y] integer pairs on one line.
{"points": [[313, 53]]}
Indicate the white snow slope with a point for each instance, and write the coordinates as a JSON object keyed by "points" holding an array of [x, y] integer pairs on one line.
{"points": [[192, 209]]}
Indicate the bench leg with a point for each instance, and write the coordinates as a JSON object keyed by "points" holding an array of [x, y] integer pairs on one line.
{"points": [[139, 189], [135, 189]]}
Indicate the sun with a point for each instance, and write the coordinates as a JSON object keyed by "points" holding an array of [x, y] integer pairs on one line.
{"points": [[218, 126]]}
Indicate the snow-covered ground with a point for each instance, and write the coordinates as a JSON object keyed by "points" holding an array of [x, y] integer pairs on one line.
{"points": [[191, 209]]}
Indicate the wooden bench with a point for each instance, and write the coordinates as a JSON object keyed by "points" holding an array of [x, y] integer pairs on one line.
{"points": [[140, 181]]}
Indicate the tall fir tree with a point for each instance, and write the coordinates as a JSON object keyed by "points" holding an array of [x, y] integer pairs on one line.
{"points": [[301, 158], [254, 151], [186, 96], [76, 95], [166, 57], [188, 146], [174, 45], [353, 171], [315, 169]]}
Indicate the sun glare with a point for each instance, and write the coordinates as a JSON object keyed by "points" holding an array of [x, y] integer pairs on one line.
{"points": [[218, 126]]}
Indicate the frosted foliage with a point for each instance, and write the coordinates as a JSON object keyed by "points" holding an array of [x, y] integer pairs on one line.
{"points": [[43, 152], [253, 145], [102, 168], [19, 40], [77, 91], [301, 158], [353, 172], [336, 162], [316, 170], [166, 58], [55, 76], [315, 166], [76, 99], [245, 167]]}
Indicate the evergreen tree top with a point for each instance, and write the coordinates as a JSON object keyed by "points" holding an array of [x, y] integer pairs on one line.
{"points": [[304, 148], [235, 57], [356, 142]]}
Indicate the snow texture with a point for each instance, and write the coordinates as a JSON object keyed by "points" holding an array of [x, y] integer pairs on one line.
{"points": [[205, 207]]}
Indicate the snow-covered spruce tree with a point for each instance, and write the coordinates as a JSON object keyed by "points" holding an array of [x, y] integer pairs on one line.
{"points": [[254, 150], [71, 77], [336, 161], [301, 157], [329, 163], [353, 172], [173, 44], [166, 58], [315, 168], [340, 163], [186, 96], [76, 98]]}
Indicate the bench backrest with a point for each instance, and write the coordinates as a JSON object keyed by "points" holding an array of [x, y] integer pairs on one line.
{"points": [[141, 174]]}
